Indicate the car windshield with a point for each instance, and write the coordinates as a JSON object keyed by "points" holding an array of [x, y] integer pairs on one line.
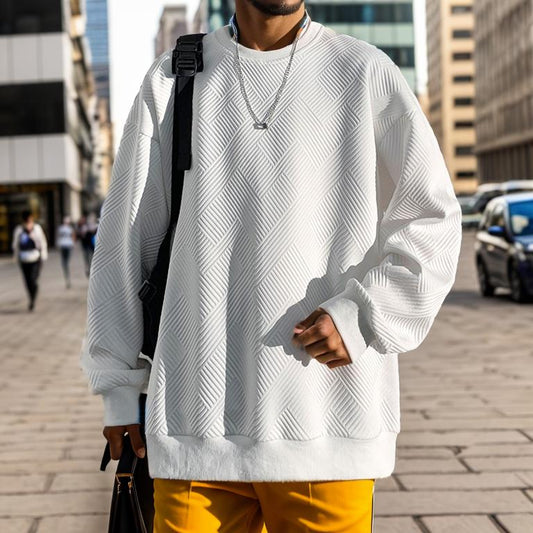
{"points": [[521, 217]]}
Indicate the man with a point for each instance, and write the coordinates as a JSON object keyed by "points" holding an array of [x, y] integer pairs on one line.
{"points": [[30, 249], [318, 236]]}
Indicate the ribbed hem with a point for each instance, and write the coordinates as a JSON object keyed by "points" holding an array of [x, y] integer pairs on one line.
{"points": [[121, 406], [239, 458], [345, 315]]}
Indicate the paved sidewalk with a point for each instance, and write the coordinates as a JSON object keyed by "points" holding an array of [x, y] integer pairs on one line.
{"points": [[465, 453]]}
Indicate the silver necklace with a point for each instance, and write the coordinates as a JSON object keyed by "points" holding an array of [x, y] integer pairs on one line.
{"points": [[258, 124]]}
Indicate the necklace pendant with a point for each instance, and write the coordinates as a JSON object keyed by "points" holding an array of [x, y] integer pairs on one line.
{"points": [[260, 125]]}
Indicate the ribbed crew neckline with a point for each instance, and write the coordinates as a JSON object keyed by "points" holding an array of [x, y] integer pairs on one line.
{"points": [[309, 35]]}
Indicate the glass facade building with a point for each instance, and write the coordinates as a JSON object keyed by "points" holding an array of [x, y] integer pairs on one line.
{"points": [[387, 24], [97, 33]]}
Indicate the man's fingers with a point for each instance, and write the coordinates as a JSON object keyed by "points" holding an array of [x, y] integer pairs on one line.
{"points": [[137, 442], [114, 436]]}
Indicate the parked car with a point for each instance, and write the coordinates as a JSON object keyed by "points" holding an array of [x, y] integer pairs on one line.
{"points": [[484, 193], [471, 217], [504, 246], [487, 191]]}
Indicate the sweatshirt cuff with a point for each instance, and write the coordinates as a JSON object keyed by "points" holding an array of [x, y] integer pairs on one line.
{"points": [[345, 315], [121, 406]]}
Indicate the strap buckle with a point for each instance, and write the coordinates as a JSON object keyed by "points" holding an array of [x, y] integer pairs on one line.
{"points": [[187, 58], [147, 291]]}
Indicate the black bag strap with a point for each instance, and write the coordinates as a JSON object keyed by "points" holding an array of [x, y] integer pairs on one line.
{"points": [[187, 60]]}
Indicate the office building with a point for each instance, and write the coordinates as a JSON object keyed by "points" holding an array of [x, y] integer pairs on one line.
{"points": [[97, 33], [504, 89], [451, 88], [47, 98], [172, 24]]}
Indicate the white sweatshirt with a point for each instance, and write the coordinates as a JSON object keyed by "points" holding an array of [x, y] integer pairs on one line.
{"points": [[344, 202]]}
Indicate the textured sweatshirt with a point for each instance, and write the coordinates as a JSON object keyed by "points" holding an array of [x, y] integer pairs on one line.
{"points": [[343, 202]]}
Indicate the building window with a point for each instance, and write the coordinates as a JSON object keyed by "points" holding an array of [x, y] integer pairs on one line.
{"points": [[403, 56], [463, 79], [464, 174], [389, 13], [30, 16], [32, 109], [462, 56], [463, 125], [464, 150], [463, 101], [461, 9], [462, 34]]}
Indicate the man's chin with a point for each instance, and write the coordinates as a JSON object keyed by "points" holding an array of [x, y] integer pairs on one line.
{"points": [[277, 7]]}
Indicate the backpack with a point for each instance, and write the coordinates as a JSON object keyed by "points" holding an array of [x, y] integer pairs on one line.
{"points": [[26, 243], [28, 251]]}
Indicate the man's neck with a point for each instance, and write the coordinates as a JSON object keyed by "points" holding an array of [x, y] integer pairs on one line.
{"points": [[263, 32]]}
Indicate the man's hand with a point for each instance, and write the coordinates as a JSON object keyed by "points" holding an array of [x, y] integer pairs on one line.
{"points": [[320, 338], [114, 435]]}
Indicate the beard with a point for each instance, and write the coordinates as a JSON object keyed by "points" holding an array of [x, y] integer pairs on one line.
{"points": [[275, 8]]}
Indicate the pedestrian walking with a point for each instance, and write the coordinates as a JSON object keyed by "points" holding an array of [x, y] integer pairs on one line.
{"points": [[66, 236], [86, 233], [30, 249], [318, 236]]}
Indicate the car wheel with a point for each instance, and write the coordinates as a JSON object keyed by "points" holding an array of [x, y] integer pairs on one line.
{"points": [[485, 286], [518, 291]]}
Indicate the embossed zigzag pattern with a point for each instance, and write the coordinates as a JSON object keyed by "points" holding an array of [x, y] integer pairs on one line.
{"points": [[346, 192]]}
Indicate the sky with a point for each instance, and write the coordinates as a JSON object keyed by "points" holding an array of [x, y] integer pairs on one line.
{"points": [[133, 25]]}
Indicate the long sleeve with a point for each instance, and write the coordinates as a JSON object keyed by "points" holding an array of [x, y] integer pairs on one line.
{"points": [[133, 221], [43, 242], [395, 303]]}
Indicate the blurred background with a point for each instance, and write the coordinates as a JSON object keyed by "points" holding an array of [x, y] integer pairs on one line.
{"points": [[69, 70]]}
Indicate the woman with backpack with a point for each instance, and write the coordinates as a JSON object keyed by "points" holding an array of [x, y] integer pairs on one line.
{"points": [[30, 248]]}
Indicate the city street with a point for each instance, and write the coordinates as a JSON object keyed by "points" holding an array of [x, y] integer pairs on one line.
{"points": [[465, 452]]}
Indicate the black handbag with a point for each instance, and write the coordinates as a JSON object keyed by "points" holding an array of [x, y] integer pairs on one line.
{"points": [[132, 503], [187, 60]]}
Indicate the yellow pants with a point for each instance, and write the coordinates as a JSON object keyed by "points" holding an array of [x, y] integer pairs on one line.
{"points": [[183, 506]]}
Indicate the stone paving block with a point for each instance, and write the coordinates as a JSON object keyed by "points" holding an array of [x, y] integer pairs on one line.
{"points": [[88, 481], [459, 438], [25, 483], [51, 467], [396, 524], [425, 502], [15, 525], [526, 477], [494, 450], [30, 456], [469, 481], [436, 466], [443, 424], [61, 503], [500, 464], [386, 483], [424, 452], [96, 523], [460, 524], [463, 413], [516, 523]]}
